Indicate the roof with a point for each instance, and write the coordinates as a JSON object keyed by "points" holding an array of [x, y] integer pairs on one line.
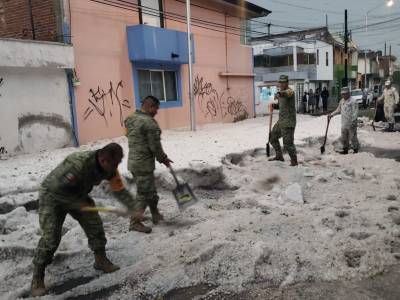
{"points": [[317, 33], [321, 30], [251, 10]]}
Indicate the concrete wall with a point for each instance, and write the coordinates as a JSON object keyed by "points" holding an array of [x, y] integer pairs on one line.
{"points": [[34, 111], [324, 72], [34, 97], [102, 64]]}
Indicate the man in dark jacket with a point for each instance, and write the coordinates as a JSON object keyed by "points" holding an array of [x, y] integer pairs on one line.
{"points": [[325, 97]]}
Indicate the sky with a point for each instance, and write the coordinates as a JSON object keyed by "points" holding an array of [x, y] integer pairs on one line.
{"points": [[312, 13]]}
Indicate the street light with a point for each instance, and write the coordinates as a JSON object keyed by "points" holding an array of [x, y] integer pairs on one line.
{"points": [[389, 3]]}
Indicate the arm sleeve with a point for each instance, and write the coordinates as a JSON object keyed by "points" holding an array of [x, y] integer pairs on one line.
{"points": [[355, 113], [338, 109], [154, 139], [123, 196]]}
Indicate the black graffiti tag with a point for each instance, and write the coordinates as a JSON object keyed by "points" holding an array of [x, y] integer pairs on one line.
{"points": [[101, 101], [215, 104]]}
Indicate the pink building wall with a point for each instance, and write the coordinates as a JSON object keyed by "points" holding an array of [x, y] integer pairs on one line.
{"points": [[105, 95]]}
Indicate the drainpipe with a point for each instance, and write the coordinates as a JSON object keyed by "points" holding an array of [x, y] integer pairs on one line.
{"points": [[66, 33]]}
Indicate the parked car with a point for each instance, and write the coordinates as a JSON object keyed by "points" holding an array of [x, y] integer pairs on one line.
{"points": [[361, 99]]}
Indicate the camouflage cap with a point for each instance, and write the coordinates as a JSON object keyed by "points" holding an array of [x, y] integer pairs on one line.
{"points": [[283, 78], [388, 82], [345, 90]]}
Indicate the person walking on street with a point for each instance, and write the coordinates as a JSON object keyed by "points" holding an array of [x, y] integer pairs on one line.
{"points": [[311, 101], [304, 101], [325, 97], [348, 108], [317, 98], [390, 99], [144, 140], [285, 127], [66, 191]]}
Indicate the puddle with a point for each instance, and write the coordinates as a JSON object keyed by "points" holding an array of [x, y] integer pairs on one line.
{"points": [[383, 153]]}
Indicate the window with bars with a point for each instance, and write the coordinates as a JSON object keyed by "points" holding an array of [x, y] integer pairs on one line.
{"points": [[158, 83]]}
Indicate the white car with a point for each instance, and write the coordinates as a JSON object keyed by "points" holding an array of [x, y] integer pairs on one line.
{"points": [[358, 95]]}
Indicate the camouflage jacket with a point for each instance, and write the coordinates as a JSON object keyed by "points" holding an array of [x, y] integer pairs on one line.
{"points": [[349, 110], [287, 109], [390, 97], [144, 139], [73, 179]]}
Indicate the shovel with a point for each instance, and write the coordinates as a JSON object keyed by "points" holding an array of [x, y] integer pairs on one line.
{"points": [[267, 149], [183, 193], [376, 109], [326, 135]]}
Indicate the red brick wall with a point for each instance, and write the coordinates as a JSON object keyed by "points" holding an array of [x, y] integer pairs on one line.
{"points": [[15, 20]]}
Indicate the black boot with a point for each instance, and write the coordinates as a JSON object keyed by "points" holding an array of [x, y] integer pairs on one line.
{"points": [[293, 161], [344, 151], [278, 157], [355, 150]]}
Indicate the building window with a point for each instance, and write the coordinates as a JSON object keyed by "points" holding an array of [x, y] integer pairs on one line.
{"points": [[151, 12], [327, 59], [158, 83], [318, 57]]}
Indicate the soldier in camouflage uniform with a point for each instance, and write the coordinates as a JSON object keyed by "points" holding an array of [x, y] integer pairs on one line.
{"points": [[390, 98], [144, 139], [65, 191], [286, 124], [348, 107]]}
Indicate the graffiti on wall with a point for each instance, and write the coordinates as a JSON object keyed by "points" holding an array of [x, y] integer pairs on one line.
{"points": [[214, 104], [102, 102]]}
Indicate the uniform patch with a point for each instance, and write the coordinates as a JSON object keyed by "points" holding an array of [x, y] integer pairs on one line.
{"points": [[290, 92], [116, 183]]}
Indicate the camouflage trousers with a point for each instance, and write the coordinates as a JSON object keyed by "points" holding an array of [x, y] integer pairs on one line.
{"points": [[52, 215], [146, 193], [389, 113], [349, 134], [287, 133]]}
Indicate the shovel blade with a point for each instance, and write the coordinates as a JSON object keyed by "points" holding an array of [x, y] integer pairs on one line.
{"points": [[322, 149], [184, 196], [268, 150]]}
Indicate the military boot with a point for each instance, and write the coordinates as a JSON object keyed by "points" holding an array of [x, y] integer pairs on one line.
{"points": [[344, 151], [278, 157], [139, 227], [355, 150], [293, 162], [102, 263], [37, 286], [156, 216]]}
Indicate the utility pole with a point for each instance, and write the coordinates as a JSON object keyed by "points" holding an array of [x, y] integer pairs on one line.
{"points": [[346, 50], [390, 60], [365, 69], [190, 54], [269, 29], [326, 20]]}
